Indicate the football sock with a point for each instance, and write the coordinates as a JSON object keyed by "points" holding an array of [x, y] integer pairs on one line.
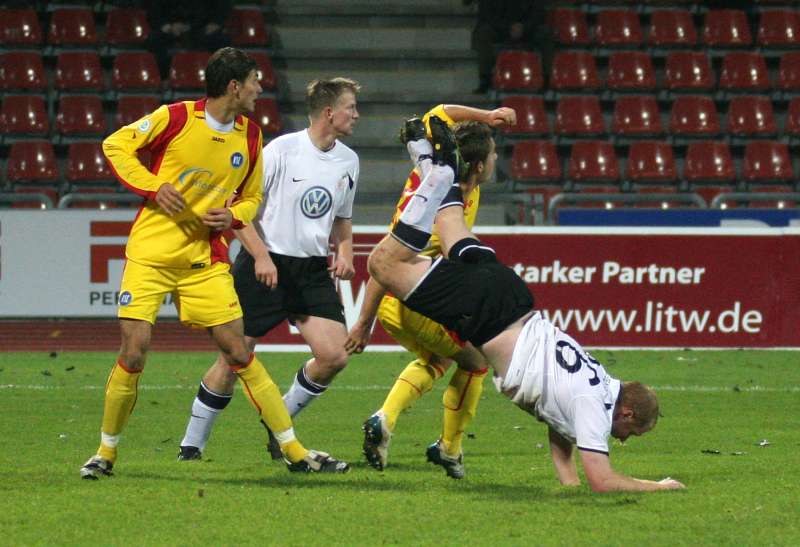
{"points": [[415, 380], [265, 396], [302, 393], [206, 407], [414, 226], [460, 403], [121, 393]]}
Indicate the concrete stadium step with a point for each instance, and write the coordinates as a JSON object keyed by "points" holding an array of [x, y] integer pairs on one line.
{"points": [[394, 7], [304, 38], [386, 59]]}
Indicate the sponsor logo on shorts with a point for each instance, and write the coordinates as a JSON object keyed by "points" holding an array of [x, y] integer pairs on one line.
{"points": [[237, 160], [144, 127], [316, 202], [125, 298], [233, 304]]}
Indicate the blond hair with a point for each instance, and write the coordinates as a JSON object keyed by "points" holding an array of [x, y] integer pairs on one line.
{"points": [[324, 93]]}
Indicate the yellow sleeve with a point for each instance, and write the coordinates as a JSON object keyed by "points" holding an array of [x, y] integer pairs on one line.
{"points": [[437, 110], [245, 205], [121, 146]]}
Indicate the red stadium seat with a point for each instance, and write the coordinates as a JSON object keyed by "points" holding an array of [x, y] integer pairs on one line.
{"points": [[535, 161], [188, 70], [127, 27], [751, 116], [637, 115], [574, 70], [618, 27], [518, 70], [531, 115], [266, 75], [50, 193], [650, 161], [579, 116], [694, 116], [24, 115], [672, 28], [19, 27], [79, 70], [22, 70], [793, 118], [132, 107], [779, 28], [709, 192], [709, 161], [86, 163], [267, 116], [726, 28], [767, 162], [135, 70], [745, 71], [631, 71], [593, 161], [570, 27], [688, 70], [72, 27], [80, 115], [246, 28], [789, 72], [32, 161]]}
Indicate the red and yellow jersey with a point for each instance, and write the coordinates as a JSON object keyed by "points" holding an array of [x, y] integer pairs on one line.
{"points": [[206, 166], [471, 200]]}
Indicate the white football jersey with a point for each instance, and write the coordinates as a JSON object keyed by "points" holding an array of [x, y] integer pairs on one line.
{"points": [[305, 189], [554, 378]]}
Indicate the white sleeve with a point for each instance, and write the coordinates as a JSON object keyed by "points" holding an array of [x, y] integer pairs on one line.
{"points": [[271, 160], [346, 210], [592, 426]]}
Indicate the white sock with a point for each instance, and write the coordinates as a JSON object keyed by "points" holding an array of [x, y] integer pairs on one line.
{"points": [[302, 392], [203, 416], [420, 212]]}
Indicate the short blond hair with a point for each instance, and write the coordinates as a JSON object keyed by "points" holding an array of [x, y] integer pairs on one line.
{"points": [[323, 93]]}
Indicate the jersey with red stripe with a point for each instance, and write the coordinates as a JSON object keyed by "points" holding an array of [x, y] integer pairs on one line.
{"points": [[205, 165]]}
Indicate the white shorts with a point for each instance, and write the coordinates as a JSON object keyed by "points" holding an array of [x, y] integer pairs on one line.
{"points": [[524, 379]]}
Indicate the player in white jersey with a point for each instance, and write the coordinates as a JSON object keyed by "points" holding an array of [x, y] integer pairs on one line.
{"points": [[282, 271], [539, 367]]}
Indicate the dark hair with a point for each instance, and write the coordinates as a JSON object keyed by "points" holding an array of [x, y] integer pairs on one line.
{"points": [[474, 141], [226, 64], [643, 401], [322, 93]]}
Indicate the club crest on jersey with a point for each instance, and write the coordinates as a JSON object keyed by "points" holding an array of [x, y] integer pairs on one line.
{"points": [[144, 127], [237, 159], [316, 201], [125, 298]]}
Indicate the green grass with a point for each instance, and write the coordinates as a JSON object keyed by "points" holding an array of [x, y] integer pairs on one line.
{"points": [[726, 401]]}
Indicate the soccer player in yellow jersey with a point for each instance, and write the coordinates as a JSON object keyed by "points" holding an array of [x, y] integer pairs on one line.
{"points": [[205, 176], [435, 346]]}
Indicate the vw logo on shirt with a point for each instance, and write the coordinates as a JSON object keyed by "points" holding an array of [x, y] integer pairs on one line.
{"points": [[316, 201]]}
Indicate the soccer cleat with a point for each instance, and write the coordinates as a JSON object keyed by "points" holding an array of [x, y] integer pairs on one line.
{"points": [[413, 130], [376, 441], [445, 147], [454, 467], [188, 453], [96, 467], [318, 462], [273, 446]]}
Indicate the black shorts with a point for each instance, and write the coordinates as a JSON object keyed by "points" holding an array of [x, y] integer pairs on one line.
{"points": [[304, 287], [476, 301]]}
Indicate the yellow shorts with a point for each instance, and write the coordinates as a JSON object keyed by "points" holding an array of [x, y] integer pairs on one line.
{"points": [[204, 297], [415, 332]]}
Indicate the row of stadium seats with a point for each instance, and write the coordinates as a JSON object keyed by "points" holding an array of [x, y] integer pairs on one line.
{"points": [[634, 71], [764, 162], [77, 116], [132, 71], [721, 28], [124, 27], [641, 116]]}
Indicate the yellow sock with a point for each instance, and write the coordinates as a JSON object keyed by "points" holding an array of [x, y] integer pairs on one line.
{"points": [[266, 398], [121, 393], [460, 403], [415, 380]]}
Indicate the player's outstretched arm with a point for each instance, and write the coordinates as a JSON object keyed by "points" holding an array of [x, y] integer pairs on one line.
{"points": [[602, 478], [361, 331], [561, 450], [494, 118], [265, 269]]}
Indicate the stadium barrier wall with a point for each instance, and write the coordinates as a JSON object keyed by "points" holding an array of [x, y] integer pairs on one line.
{"points": [[608, 287]]}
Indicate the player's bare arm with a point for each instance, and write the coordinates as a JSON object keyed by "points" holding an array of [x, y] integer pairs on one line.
{"points": [[563, 454], [265, 269], [169, 199], [494, 118], [451, 227], [602, 478], [342, 232], [360, 332], [218, 218]]}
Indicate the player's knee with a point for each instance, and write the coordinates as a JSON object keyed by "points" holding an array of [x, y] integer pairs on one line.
{"points": [[132, 358], [333, 362], [237, 356]]}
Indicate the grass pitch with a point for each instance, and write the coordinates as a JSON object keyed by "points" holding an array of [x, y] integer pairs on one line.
{"points": [[717, 408]]}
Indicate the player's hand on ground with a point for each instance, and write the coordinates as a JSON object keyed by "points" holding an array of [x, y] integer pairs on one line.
{"points": [[266, 272], [357, 338], [671, 484], [218, 218], [502, 116], [342, 268], [169, 199]]}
